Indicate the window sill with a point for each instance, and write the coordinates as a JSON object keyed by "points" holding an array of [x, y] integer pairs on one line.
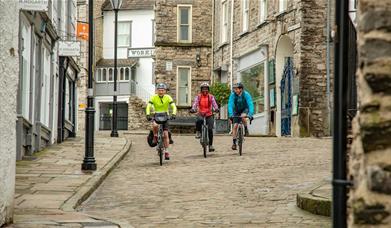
{"points": [[243, 33], [222, 44], [262, 23], [282, 13]]}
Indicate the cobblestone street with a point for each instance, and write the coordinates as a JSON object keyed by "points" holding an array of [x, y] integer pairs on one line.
{"points": [[255, 190]]}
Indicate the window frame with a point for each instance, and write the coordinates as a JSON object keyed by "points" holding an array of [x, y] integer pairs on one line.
{"points": [[188, 86], [130, 34], [224, 21], [263, 13], [282, 6], [190, 25], [245, 15]]}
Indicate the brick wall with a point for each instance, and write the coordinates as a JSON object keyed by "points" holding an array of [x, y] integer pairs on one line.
{"points": [[370, 164]]}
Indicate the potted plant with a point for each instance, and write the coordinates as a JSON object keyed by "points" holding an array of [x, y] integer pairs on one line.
{"points": [[221, 91]]}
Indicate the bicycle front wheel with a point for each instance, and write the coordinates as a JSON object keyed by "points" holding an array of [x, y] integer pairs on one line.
{"points": [[240, 140]]}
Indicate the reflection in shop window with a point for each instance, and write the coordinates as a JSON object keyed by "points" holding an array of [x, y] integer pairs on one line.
{"points": [[253, 81]]}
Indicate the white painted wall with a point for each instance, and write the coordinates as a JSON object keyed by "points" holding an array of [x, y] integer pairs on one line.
{"points": [[141, 37], [9, 67]]}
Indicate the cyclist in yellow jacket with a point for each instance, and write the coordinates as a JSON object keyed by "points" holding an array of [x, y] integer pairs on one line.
{"points": [[161, 102]]}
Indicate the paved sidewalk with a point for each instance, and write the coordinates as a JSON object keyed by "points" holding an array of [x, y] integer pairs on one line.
{"points": [[50, 187]]}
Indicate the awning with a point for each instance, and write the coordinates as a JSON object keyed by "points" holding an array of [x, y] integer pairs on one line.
{"points": [[120, 62]]}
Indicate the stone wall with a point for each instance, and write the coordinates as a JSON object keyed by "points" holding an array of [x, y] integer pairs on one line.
{"points": [[183, 54], [136, 114], [304, 22], [9, 71], [370, 164]]}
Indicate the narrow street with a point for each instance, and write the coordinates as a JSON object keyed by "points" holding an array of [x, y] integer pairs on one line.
{"points": [[223, 190]]}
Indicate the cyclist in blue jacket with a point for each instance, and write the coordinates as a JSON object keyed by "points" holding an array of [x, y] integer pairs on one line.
{"points": [[240, 104]]}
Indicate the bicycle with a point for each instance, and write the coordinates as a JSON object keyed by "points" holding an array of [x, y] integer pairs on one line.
{"points": [[240, 132], [161, 119], [204, 139]]}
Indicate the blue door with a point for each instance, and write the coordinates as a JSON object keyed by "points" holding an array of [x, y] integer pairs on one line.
{"points": [[286, 97]]}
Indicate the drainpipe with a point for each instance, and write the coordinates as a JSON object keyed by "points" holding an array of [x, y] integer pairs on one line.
{"points": [[339, 212], [231, 42], [328, 30]]}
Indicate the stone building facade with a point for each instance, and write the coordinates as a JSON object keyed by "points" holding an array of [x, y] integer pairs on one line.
{"points": [[183, 47], [9, 71], [265, 36], [370, 162]]}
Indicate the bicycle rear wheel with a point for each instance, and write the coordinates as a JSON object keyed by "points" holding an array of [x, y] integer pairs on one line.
{"points": [[240, 140]]}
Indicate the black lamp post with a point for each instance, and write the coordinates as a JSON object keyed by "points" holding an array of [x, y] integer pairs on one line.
{"points": [[89, 160], [116, 5]]}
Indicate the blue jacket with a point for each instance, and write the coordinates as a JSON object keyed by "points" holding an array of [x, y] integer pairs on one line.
{"points": [[240, 104]]}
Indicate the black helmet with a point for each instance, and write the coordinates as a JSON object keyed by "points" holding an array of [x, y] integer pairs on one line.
{"points": [[161, 86], [238, 85], [204, 85]]}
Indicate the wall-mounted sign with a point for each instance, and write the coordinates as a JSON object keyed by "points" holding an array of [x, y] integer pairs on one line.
{"points": [[293, 27], [168, 65], [69, 48], [34, 5], [141, 52], [82, 30]]}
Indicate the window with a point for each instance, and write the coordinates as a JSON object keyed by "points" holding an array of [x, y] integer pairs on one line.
{"points": [[153, 33], [282, 5], [121, 74], [67, 98], [45, 91], [224, 21], [26, 52], [111, 76], [245, 17], [70, 100], [98, 75], [262, 11], [127, 74], [184, 88], [253, 80], [184, 24], [124, 34]]}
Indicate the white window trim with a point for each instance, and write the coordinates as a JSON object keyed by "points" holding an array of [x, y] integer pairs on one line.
{"points": [[224, 24], [190, 24], [262, 12], [281, 6], [130, 34], [189, 86], [245, 12]]}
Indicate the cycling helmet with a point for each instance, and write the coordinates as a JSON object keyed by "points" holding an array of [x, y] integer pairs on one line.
{"points": [[161, 86], [204, 85], [238, 85]]}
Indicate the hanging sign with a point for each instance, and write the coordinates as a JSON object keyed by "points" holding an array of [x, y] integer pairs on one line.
{"points": [[141, 52], [69, 48], [82, 30], [34, 5]]}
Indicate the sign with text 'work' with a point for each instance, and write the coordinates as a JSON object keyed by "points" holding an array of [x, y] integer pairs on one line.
{"points": [[141, 52]]}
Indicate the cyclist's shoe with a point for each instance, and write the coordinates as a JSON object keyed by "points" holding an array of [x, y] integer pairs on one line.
{"points": [[211, 148], [167, 156], [233, 146], [198, 135], [246, 132]]}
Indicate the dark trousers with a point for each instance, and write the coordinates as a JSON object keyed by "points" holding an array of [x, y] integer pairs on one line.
{"points": [[210, 123]]}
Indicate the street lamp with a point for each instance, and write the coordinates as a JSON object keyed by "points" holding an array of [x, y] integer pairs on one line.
{"points": [[89, 160], [116, 5]]}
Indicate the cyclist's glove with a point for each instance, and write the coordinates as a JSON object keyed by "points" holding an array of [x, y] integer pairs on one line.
{"points": [[173, 117], [193, 111], [149, 118], [217, 110]]}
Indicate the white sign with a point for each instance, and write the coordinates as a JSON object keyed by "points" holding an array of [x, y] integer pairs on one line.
{"points": [[169, 66], [34, 5], [69, 48], [141, 52]]}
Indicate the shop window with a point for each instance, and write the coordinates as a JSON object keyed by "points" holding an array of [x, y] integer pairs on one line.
{"points": [[253, 80], [184, 24], [26, 64], [184, 86]]}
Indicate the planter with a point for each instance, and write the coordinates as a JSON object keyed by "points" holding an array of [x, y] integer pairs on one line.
{"points": [[222, 126]]}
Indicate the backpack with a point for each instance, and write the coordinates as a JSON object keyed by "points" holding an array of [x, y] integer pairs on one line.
{"points": [[150, 139]]}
